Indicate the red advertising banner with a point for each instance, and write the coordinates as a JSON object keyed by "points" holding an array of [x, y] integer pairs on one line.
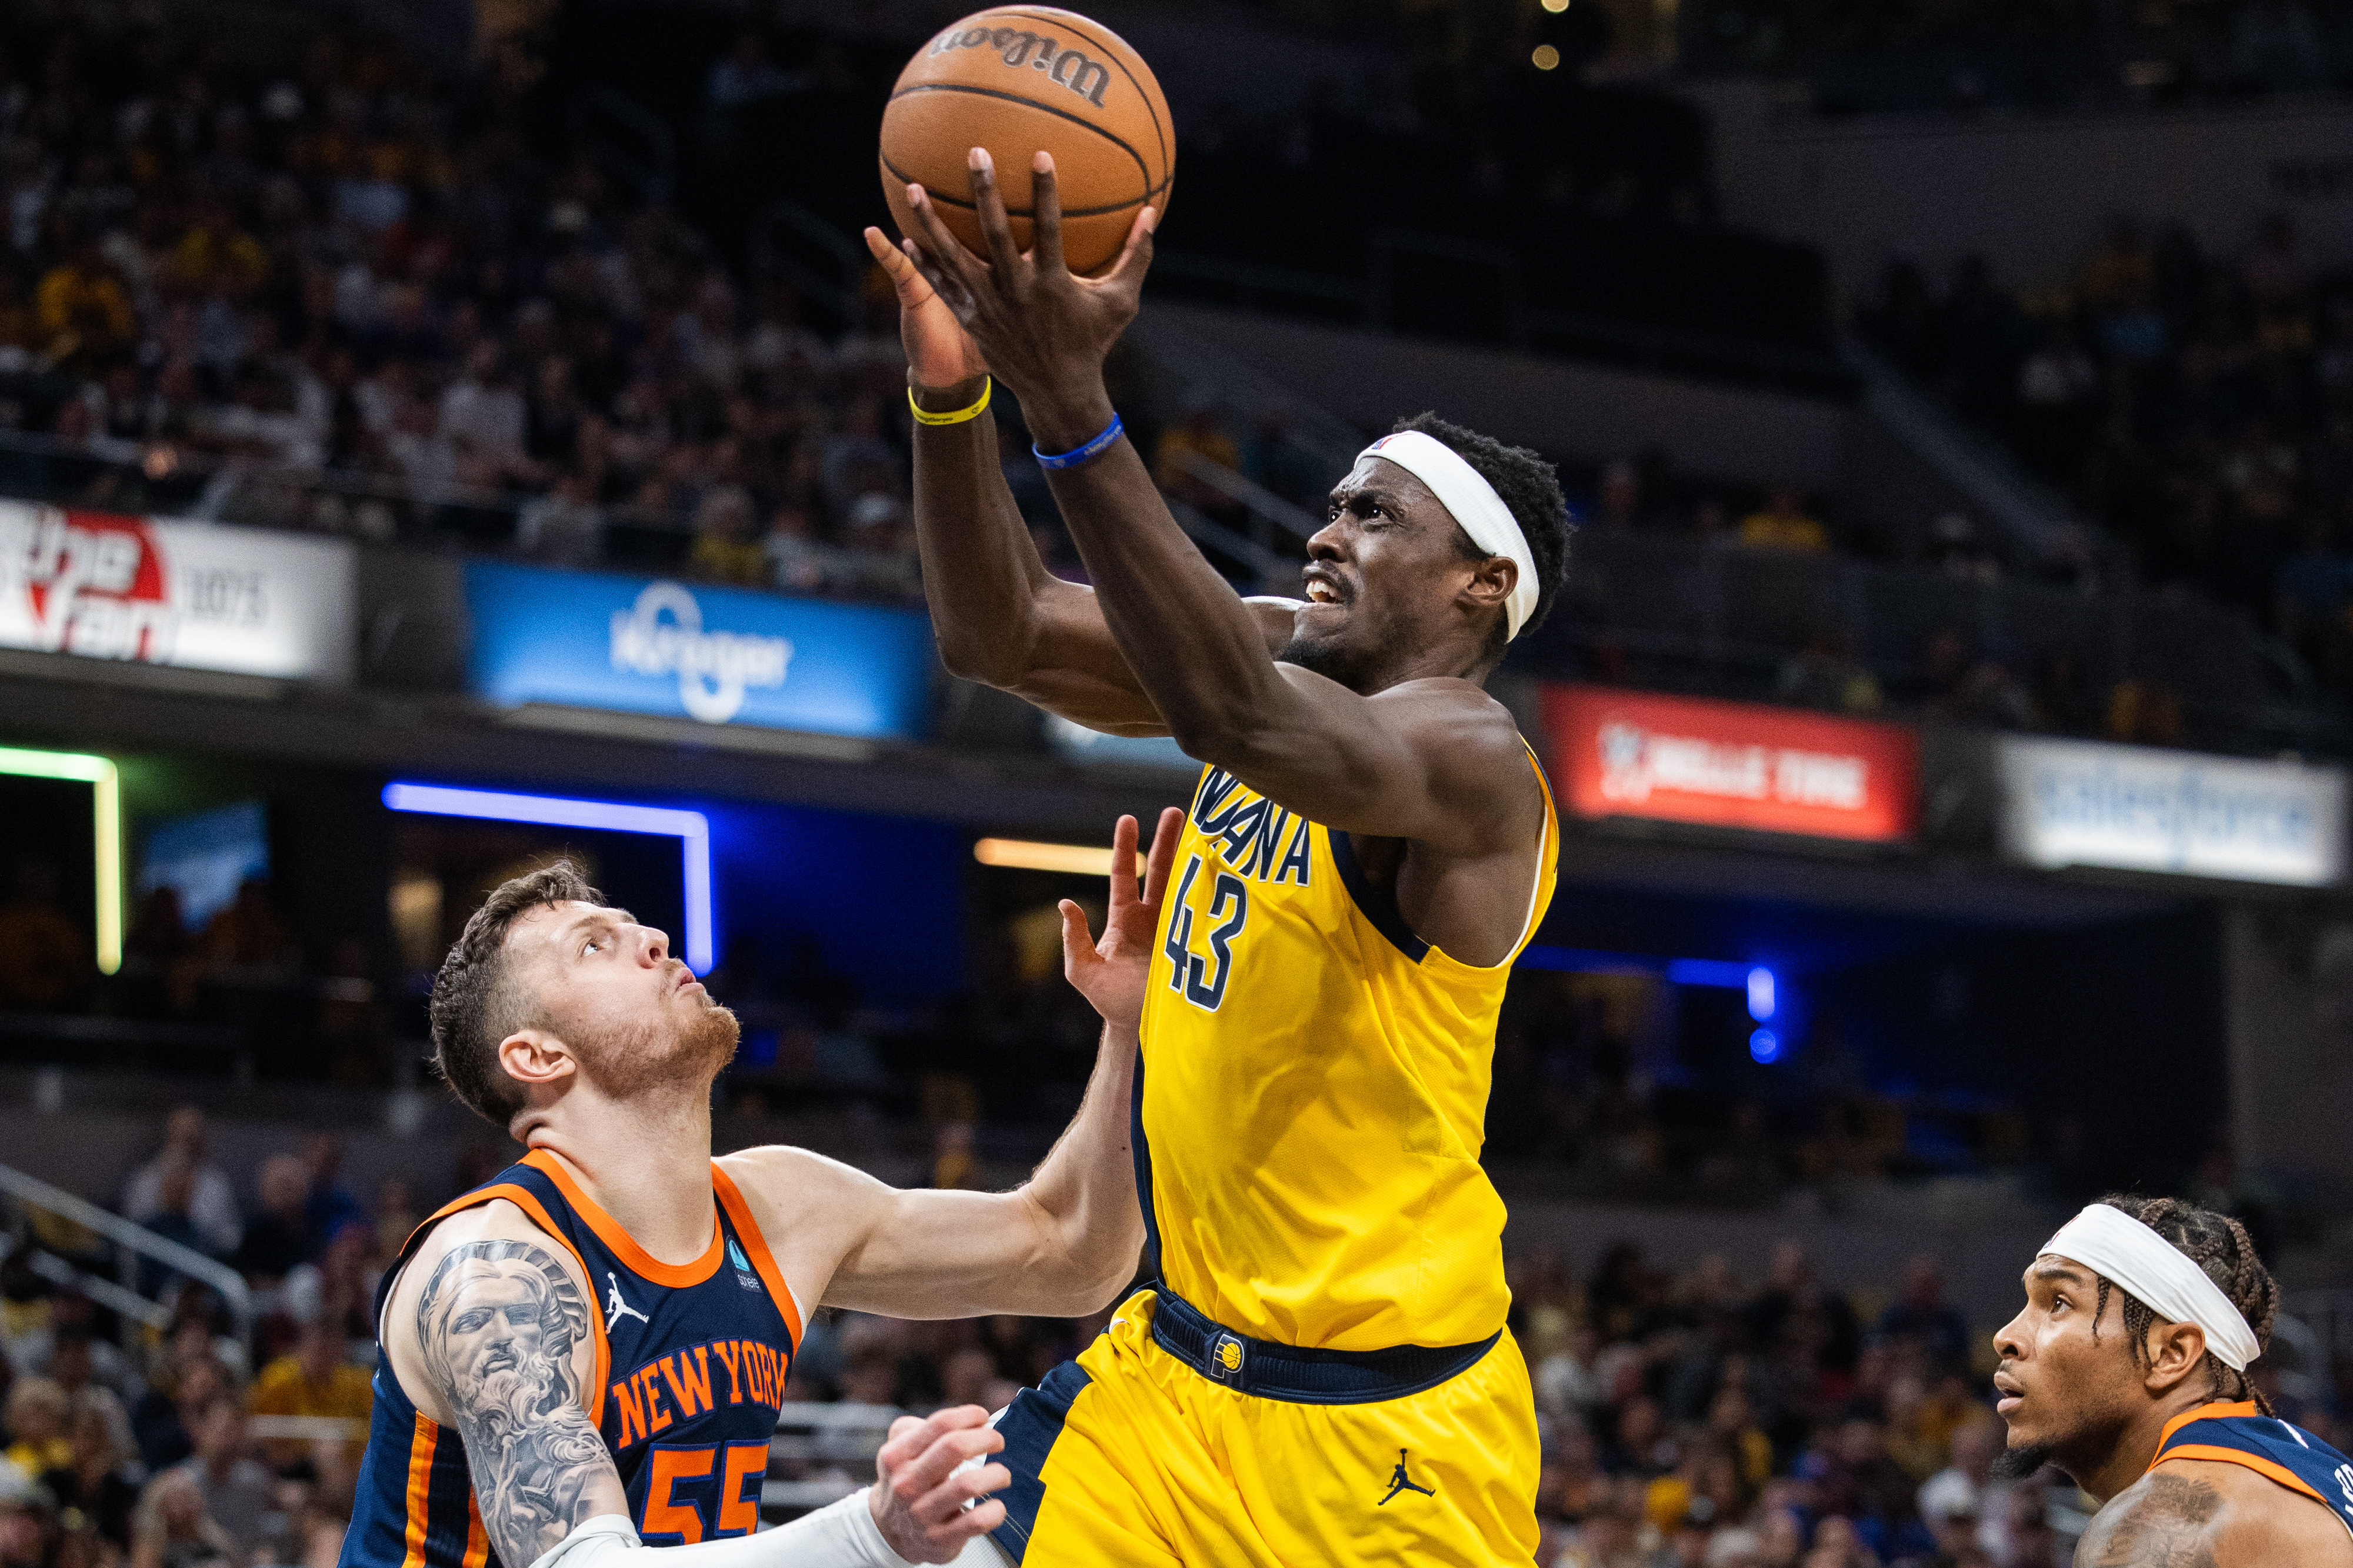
{"points": [[1731, 764]]}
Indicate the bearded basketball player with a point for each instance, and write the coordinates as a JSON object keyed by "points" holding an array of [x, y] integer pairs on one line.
{"points": [[583, 1358], [1321, 1372], [2127, 1370]]}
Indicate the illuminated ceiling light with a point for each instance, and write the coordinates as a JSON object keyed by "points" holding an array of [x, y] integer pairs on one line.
{"points": [[692, 828], [1764, 1047], [1545, 57], [1555, 6], [1026, 854], [1761, 995], [106, 802]]}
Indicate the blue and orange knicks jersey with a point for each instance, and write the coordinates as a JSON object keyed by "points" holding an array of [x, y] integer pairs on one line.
{"points": [[2237, 1433], [1314, 1093], [689, 1371]]}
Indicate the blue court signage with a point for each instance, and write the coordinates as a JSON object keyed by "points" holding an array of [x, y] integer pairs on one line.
{"points": [[718, 655]]}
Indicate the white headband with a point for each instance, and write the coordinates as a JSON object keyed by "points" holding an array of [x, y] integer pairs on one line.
{"points": [[2137, 1259], [1476, 505]]}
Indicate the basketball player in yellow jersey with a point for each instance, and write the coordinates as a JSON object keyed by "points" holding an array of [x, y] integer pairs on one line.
{"points": [[1319, 1373]]}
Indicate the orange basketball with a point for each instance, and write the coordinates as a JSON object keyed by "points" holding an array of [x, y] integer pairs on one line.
{"points": [[1014, 80]]}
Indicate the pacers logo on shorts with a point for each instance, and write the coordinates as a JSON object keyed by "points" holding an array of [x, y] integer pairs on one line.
{"points": [[1230, 1356]]}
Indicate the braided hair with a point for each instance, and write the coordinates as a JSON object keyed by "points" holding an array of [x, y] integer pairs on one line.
{"points": [[2219, 1246]]}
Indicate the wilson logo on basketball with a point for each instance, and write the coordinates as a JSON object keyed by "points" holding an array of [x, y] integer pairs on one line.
{"points": [[1019, 47]]}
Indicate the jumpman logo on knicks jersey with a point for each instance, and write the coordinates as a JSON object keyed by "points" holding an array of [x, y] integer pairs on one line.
{"points": [[1401, 1482], [616, 1308]]}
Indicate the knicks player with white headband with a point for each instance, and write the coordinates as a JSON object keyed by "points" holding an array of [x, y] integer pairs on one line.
{"points": [[1318, 1370], [2127, 1370]]}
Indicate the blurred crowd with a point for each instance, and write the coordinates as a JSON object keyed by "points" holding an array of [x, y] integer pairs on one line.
{"points": [[1690, 1419], [353, 266], [2200, 406], [203, 1440]]}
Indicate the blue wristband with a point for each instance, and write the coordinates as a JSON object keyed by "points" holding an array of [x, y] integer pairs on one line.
{"points": [[1094, 449]]}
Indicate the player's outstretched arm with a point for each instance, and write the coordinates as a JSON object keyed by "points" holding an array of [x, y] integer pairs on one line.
{"points": [[1000, 616], [1064, 1242], [1435, 761]]}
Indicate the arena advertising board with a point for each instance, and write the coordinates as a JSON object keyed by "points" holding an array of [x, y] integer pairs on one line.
{"points": [[2088, 803], [1731, 764], [197, 595], [717, 656]]}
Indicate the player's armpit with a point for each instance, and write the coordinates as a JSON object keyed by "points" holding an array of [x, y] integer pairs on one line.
{"points": [[2161, 1521], [499, 1326]]}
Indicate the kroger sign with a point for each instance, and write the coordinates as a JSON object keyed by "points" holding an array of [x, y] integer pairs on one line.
{"points": [[718, 655]]}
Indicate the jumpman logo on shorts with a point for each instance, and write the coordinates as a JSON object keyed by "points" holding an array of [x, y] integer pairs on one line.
{"points": [[1401, 1482], [616, 1308]]}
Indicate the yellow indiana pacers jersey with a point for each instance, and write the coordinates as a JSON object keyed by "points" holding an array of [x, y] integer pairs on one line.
{"points": [[1315, 1091]]}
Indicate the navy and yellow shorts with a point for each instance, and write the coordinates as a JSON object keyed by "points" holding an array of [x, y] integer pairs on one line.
{"points": [[1171, 1442]]}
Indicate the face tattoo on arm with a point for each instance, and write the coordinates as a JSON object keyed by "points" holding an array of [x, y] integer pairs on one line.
{"points": [[498, 1323]]}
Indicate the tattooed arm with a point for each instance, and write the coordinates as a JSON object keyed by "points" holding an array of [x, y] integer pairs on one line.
{"points": [[489, 1331]]}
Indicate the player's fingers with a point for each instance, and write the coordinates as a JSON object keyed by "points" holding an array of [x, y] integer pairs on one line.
{"points": [[947, 1499], [917, 1476], [914, 289], [1046, 205], [1134, 258], [995, 227], [909, 1435], [947, 252], [1078, 942], [1122, 863], [1163, 853]]}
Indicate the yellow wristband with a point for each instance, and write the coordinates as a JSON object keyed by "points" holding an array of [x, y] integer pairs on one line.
{"points": [[925, 417]]}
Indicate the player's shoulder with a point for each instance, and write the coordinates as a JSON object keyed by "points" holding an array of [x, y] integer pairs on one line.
{"points": [[788, 1186], [2200, 1512], [495, 1228]]}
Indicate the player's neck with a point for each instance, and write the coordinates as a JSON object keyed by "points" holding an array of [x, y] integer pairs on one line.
{"points": [[2129, 1459], [645, 1161]]}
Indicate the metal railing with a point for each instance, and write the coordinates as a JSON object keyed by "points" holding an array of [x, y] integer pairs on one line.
{"points": [[793, 245], [133, 1242], [1680, 614], [838, 1442]]}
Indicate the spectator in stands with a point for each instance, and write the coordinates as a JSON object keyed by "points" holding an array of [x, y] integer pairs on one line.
{"points": [[211, 1209], [1782, 523], [82, 311], [235, 1490], [564, 527], [99, 1479], [37, 1419], [280, 1236], [317, 1380], [80, 1363], [1826, 675], [727, 546], [1921, 1314], [45, 955], [190, 1378], [171, 1530], [26, 1519], [250, 935], [330, 1206]]}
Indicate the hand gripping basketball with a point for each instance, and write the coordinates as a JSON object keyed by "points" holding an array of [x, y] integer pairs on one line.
{"points": [[940, 353], [1042, 330]]}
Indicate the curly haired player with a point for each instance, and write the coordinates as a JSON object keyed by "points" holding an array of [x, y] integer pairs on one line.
{"points": [[2127, 1370]]}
